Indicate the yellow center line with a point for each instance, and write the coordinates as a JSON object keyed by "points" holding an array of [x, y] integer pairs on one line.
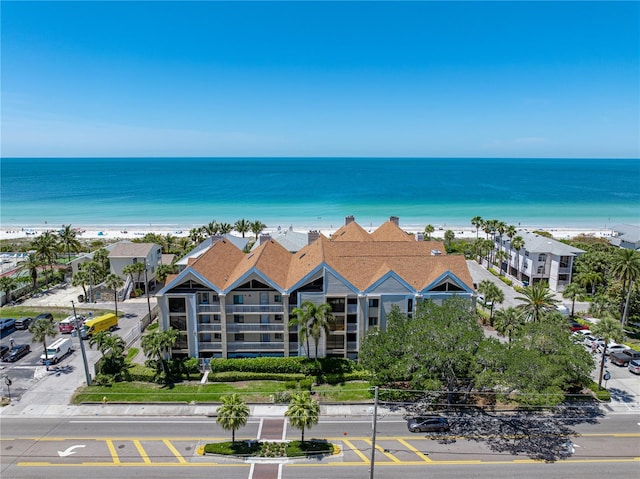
{"points": [[141, 451], [411, 448], [175, 452], [112, 450], [356, 450]]}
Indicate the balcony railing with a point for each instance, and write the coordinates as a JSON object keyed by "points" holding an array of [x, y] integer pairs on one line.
{"points": [[209, 327], [257, 327], [244, 345], [208, 308], [206, 346], [352, 327], [352, 308], [254, 308], [352, 345]]}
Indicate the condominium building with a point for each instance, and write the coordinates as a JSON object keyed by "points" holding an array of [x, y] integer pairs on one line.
{"points": [[227, 303]]}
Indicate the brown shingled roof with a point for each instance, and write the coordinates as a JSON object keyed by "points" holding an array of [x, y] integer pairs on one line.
{"points": [[389, 231], [218, 262], [351, 232]]}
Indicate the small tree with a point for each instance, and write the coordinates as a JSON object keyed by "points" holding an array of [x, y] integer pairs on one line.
{"points": [[608, 329], [508, 322], [112, 347], [303, 412], [41, 330], [573, 291], [155, 346], [7, 284], [428, 230], [114, 282], [233, 414]]}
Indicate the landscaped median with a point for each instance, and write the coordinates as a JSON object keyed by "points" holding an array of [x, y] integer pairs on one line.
{"points": [[271, 449]]}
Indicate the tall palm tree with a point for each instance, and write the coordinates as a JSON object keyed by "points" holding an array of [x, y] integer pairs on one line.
{"points": [[69, 241], [500, 257], [169, 242], [589, 279], [242, 226], [492, 295], [428, 230], [195, 234], [114, 282], [537, 301], [573, 291], [81, 278], [508, 322], [609, 330], [300, 320], [111, 346], [625, 265], [449, 236], [41, 330], [134, 269], [157, 344], [46, 248], [478, 222], [320, 317], [31, 266], [518, 244], [225, 228], [256, 227], [233, 414], [303, 412], [211, 229]]}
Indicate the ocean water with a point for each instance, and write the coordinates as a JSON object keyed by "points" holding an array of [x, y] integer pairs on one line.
{"points": [[317, 192]]}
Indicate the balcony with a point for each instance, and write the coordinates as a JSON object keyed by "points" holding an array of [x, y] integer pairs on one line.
{"points": [[352, 309], [352, 327], [352, 345], [254, 308], [207, 346], [245, 345], [209, 327], [208, 308], [254, 327]]}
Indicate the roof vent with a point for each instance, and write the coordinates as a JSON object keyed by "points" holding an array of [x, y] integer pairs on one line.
{"points": [[435, 252]]}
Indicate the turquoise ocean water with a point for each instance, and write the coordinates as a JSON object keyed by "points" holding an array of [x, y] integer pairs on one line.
{"points": [[317, 192]]}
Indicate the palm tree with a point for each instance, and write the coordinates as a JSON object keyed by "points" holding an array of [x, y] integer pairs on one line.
{"points": [[492, 295], [500, 257], [114, 282], [478, 222], [508, 322], [242, 226], [46, 248], [41, 330], [156, 345], [626, 266], [428, 230], [134, 268], [609, 330], [225, 228], [589, 279], [233, 414], [69, 241], [195, 234], [81, 278], [538, 300], [31, 265], [169, 242], [303, 412], [518, 244], [449, 236], [300, 320], [111, 346], [7, 284], [256, 227], [573, 291], [211, 229]]}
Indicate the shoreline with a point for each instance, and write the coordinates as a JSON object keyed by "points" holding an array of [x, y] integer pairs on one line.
{"points": [[131, 231]]}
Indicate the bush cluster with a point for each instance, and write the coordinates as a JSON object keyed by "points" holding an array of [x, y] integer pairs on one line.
{"points": [[290, 365], [231, 376]]}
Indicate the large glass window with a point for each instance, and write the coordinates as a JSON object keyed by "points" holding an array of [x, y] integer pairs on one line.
{"points": [[177, 305], [238, 299], [373, 302]]}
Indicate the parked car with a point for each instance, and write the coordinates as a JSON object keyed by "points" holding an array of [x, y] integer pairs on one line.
{"points": [[7, 323], [634, 366], [613, 348], [23, 323], [623, 358], [589, 340], [427, 424], [4, 349], [576, 326], [47, 316], [18, 351]]}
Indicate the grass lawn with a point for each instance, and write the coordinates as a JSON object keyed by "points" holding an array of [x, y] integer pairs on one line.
{"points": [[250, 391]]}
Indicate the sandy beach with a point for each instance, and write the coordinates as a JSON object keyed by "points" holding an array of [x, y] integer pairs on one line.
{"points": [[113, 232]]}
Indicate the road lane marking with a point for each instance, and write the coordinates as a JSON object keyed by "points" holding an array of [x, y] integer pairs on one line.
{"points": [[384, 451], [175, 452], [421, 455], [356, 450], [141, 451], [112, 450]]}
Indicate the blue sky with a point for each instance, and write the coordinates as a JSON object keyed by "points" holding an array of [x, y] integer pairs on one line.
{"points": [[434, 79]]}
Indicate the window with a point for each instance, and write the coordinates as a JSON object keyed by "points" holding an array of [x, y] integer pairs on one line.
{"points": [[373, 302], [373, 321], [239, 337], [279, 336], [542, 257], [238, 318], [540, 270], [278, 317], [177, 305], [277, 298], [217, 336], [203, 298], [178, 322], [409, 305], [238, 299]]}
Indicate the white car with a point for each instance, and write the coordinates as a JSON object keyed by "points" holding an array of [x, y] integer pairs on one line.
{"points": [[613, 348], [590, 340]]}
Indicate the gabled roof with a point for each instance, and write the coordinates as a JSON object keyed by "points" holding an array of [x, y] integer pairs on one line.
{"points": [[219, 262], [128, 249], [351, 232], [271, 259], [196, 252], [389, 231]]}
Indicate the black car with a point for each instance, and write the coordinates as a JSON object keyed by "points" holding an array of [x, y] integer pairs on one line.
{"points": [[23, 323], [17, 352], [47, 316], [3, 350], [427, 424]]}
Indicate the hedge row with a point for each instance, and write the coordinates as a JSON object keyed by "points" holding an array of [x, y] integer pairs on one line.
{"points": [[230, 376], [289, 365]]}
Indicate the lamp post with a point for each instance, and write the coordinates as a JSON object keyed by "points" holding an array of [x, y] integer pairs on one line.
{"points": [[90, 284], [84, 354]]}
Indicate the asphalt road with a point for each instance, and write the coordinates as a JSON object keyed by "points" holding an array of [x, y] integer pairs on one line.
{"points": [[477, 446]]}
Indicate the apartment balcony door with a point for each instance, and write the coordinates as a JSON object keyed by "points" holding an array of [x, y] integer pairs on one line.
{"points": [[264, 301]]}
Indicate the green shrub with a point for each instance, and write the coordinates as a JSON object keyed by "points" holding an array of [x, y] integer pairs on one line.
{"points": [[342, 378], [602, 394], [306, 384], [289, 365], [506, 280], [231, 376], [140, 373]]}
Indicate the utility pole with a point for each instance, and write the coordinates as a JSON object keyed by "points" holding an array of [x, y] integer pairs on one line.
{"points": [[84, 354], [373, 436], [146, 280]]}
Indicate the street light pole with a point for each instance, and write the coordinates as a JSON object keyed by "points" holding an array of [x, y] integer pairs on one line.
{"points": [[84, 354], [146, 280], [373, 436]]}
